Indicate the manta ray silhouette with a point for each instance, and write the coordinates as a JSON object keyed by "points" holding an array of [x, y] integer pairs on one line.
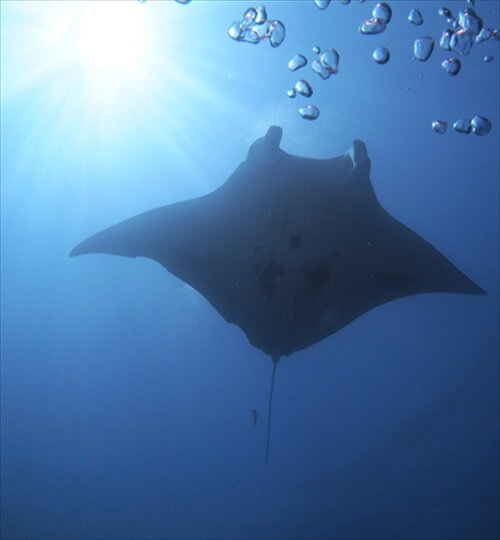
{"points": [[290, 249]]}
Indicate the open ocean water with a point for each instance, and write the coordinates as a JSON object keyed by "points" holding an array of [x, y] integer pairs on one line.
{"points": [[130, 409]]}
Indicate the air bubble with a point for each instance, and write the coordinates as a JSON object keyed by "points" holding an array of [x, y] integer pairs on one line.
{"points": [[415, 17], [382, 11], [261, 16], [484, 35], [440, 126], [461, 42], [262, 30], [248, 18], [253, 27], [182, 1], [381, 55], [488, 58], [445, 12], [462, 126], [298, 61], [276, 33], [318, 68], [329, 59], [309, 113], [291, 93], [480, 125], [423, 48], [316, 49], [322, 4], [451, 65], [470, 22], [235, 31], [373, 26], [445, 40], [304, 88], [249, 36]]}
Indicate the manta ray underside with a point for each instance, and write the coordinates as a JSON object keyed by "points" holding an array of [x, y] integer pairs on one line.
{"points": [[290, 249]]}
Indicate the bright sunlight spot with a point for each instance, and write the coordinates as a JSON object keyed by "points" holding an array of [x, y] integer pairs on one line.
{"points": [[112, 36]]}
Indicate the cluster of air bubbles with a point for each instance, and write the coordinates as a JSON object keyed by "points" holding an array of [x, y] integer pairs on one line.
{"points": [[466, 30], [381, 17], [479, 125], [325, 64], [254, 26]]}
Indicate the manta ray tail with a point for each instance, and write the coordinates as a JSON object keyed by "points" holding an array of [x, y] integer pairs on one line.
{"points": [[270, 407]]}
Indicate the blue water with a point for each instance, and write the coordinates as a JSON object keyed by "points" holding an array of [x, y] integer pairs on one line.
{"points": [[126, 399]]}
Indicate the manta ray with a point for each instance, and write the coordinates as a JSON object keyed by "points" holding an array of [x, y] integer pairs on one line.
{"points": [[291, 249]]}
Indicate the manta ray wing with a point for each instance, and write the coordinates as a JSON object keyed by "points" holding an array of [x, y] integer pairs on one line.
{"points": [[290, 249]]}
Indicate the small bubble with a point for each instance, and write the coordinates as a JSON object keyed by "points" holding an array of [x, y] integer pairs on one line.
{"points": [[235, 31], [261, 16], [445, 12], [298, 61], [329, 59], [372, 26], [445, 39], [291, 93], [461, 42], [462, 126], [276, 33], [423, 48], [304, 88], [381, 55], [451, 65], [248, 18], [345, 2], [415, 17], [322, 4], [440, 126], [484, 35], [382, 11], [480, 125], [488, 58], [183, 1], [316, 49], [471, 2], [309, 113], [318, 68]]}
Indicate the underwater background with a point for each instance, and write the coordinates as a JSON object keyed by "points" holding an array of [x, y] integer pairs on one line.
{"points": [[126, 399]]}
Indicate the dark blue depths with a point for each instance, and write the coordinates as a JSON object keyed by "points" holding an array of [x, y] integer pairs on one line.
{"points": [[126, 400]]}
